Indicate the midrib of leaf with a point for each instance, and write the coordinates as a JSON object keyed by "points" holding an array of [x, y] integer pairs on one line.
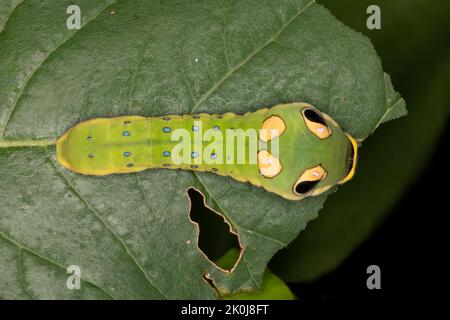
{"points": [[26, 143], [28, 79]]}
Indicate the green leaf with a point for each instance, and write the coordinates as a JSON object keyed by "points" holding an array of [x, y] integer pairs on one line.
{"points": [[390, 160], [6, 10], [272, 287], [130, 234]]}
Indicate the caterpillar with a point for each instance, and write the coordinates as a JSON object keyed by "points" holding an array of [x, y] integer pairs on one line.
{"points": [[292, 150]]}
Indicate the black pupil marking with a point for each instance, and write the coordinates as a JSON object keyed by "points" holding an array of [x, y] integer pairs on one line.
{"points": [[127, 122], [313, 116], [89, 138], [305, 186], [90, 155], [129, 165]]}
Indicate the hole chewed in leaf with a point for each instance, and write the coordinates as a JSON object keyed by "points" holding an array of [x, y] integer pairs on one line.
{"points": [[212, 225]]}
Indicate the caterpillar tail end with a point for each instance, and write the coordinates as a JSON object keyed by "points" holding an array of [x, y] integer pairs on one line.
{"points": [[61, 145], [73, 153]]}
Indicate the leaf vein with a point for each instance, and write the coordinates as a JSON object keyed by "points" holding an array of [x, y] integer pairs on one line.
{"points": [[22, 274], [28, 79], [48, 260], [230, 72], [388, 110], [12, 13], [103, 221]]}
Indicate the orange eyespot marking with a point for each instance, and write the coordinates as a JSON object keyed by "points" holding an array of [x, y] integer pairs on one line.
{"points": [[308, 180], [269, 165], [316, 123], [271, 128]]}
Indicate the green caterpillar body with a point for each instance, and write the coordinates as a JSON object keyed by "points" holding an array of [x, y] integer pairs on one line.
{"points": [[312, 152]]}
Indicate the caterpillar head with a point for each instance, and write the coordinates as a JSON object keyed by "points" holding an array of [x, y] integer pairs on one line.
{"points": [[314, 154]]}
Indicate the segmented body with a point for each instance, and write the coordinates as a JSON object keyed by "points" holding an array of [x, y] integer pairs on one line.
{"points": [[214, 143]]}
